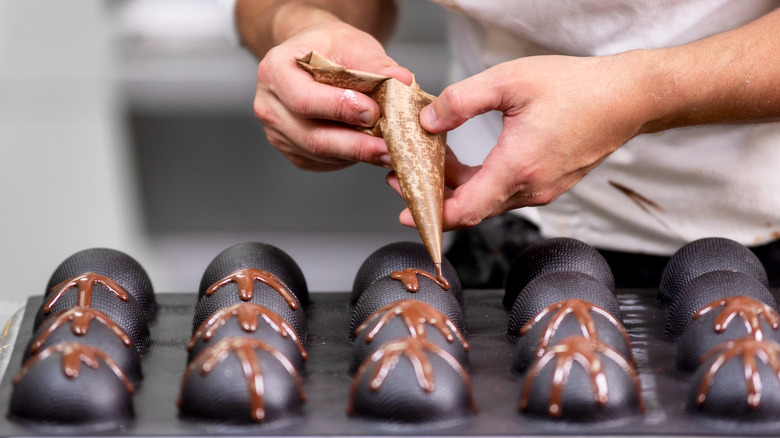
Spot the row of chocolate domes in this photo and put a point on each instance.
(246, 355)
(82, 363)
(410, 362)
(725, 321)
(572, 350)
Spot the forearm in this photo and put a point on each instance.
(732, 77)
(263, 24)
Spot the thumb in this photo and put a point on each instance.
(458, 103)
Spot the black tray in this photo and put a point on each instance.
(327, 382)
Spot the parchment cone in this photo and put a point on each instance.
(417, 155)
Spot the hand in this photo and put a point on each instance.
(562, 117)
(306, 120)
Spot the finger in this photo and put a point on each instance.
(310, 99)
(460, 102)
(455, 172)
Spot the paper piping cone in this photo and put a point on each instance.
(417, 155)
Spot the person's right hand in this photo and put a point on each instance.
(307, 121)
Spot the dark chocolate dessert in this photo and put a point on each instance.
(572, 317)
(556, 286)
(724, 320)
(580, 379)
(72, 384)
(399, 256)
(113, 264)
(241, 380)
(551, 255)
(738, 380)
(252, 320)
(403, 319)
(708, 288)
(411, 380)
(707, 255)
(260, 257)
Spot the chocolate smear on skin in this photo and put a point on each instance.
(247, 315)
(244, 349)
(415, 315)
(412, 284)
(750, 350)
(84, 284)
(73, 356)
(245, 281)
(585, 352)
(417, 156)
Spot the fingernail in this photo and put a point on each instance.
(365, 118)
(385, 159)
(428, 116)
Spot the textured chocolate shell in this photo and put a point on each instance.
(706, 255)
(262, 294)
(387, 290)
(260, 256)
(278, 334)
(396, 323)
(738, 381)
(722, 322)
(116, 265)
(555, 254)
(126, 313)
(556, 286)
(97, 397)
(393, 389)
(708, 287)
(102, 336)
(397, 257)
(222, 384)
(559, 324)
(582, 381)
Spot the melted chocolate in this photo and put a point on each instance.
(80, 318)
(415, 315)
(749, 349)
(244, 349)
(581, 310)
(84, 283)
(245, 280)
(247, 314)
(584, 351)
(413, 349)
(750, 310)
(409, 278)
(73, 355)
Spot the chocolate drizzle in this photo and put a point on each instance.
(581, 310)
(73, 355)
(85, 284)
(415, 315)
(247, 314)
(750, 310)
(585, 352)
(245, 281)
(80, 318)
(244, 349)
(414, 349)
(749, 349)
(409, 278)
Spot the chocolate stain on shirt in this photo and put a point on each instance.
(647, 205)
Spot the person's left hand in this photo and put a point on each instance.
(562, 117)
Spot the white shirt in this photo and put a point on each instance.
(700, 181)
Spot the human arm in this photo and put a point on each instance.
(564, 115)
(296, 112)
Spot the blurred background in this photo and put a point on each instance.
(129, 125)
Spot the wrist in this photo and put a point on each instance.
(291, 18)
